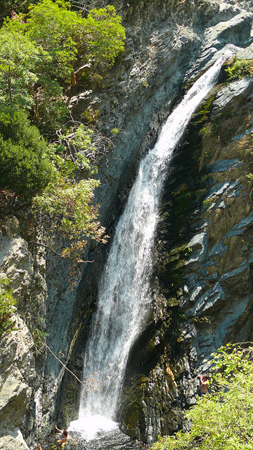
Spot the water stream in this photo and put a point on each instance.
(124, 292)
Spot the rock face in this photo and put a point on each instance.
(202, 279)
(17, 378)
(19, 375)
(203, 271)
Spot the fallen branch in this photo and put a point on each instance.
(90, 385)
(65, 367)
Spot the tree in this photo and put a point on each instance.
(70, 38)
(69, 201)
(24, 82)
(224, 418)
(41, 50)
(19, 58)
(101, 40)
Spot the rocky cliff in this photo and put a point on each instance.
(203, 270)
(203, 253)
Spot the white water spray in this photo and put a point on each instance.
(124, 292)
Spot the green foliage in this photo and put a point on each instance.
(224, 418)
(24, 82)
(69, 38)
(7, 303)
(71, 203)
(25, 168)
(41, 48)
(12, 7)
(105, 36)
(38, 338)
(72, 213)
(239, 68)
(50, 110)
(18, 60)
(68, 201)
(52, 26)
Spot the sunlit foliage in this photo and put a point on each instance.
(222, 419)
(42, 45)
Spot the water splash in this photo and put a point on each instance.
(124, 292)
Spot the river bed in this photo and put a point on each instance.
(105, 440)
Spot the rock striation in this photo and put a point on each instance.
(203, 269)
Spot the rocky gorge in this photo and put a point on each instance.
(202, 261)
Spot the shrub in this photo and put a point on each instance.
(25, 168)
(239, 68)
(222, 419)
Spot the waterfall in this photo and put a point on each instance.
(124, 293)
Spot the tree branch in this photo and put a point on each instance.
(65, 367)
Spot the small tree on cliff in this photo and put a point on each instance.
(65, 41)
(38, 56)
(224, 418)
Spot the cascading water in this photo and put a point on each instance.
(124, 292)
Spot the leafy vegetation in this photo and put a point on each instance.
(41, 50)
(239, 68)
(38, 338)
(224, 417)
(11, 7)
(7, 303)
(42, 47)
(25, 167)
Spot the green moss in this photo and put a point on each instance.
(203, 111)
(208, 202)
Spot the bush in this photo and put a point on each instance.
(25, 168)
(239, 68)
(224, 418)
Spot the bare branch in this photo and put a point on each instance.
(89, 385)
(65, 367)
